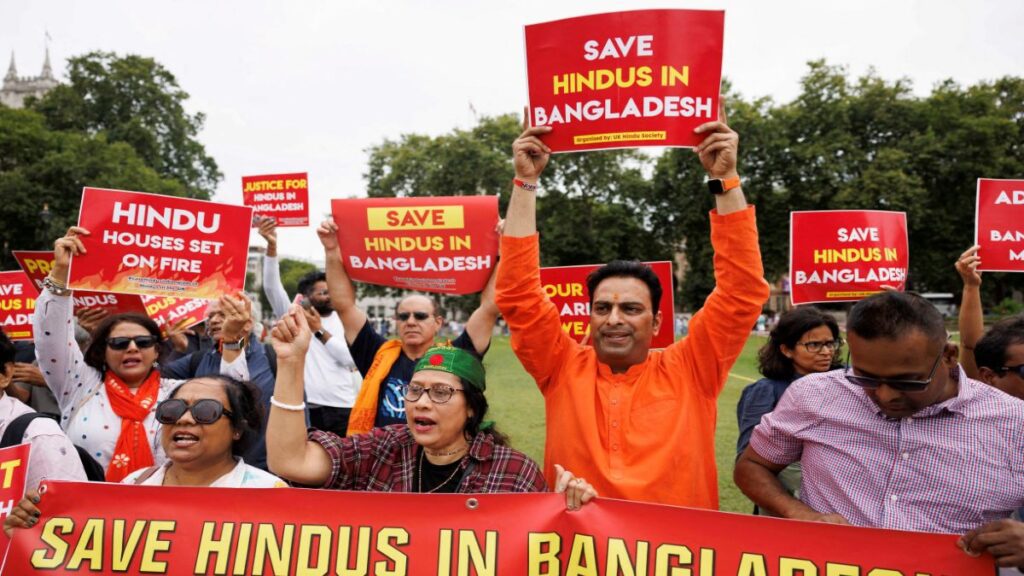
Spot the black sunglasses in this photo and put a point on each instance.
(404, 316)
(205, 411)
(896, 384)
(122, 342)
(1019, 369)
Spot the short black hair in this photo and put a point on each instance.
(245, 406)
(791, 327)
(627, 269)
(307, 282)
(890, 315)
(990, 351)
(96, 352)
(7, 350)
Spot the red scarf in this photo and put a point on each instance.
(132, 451)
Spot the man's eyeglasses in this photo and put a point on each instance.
(439, 393)
(205, 411)
(404, 316)
(896, 384)
(815, 346)
(122, 342)
(1019, 369)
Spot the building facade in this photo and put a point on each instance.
(17, 88)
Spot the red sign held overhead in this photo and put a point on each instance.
(161, 245)
(17, 304)
(284, 197)
(432, 244)
(625, 79)
(846, 255)
(566, 286)
(37, 265)
(999, 225)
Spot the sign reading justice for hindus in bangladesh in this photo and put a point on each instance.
(431, 244)
(999, 225)
(160, 245)
(625, 79)
(846, 255)
(566, 287)
(284, 197)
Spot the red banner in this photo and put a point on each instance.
(431, 244)
(566, 286)
(625, 79)
(17, 303)
(87, 528)
(13, 475)
(168, 311)
(37, 264)
(846, 255)
(161, 245)
(285, 197)
(999, 225)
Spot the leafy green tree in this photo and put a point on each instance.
(137, 101)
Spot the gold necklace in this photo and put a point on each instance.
(419, 475)
(449, 453)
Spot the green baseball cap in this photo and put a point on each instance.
(454, 361)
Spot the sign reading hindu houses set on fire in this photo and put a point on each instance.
(625, 79)
(999, 225)
(160, 245)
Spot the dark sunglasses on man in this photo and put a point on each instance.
(903, 385)
(122, 342)
(1019, 369)
(404, 316)
(205, 411)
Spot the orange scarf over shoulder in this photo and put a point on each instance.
(364, 413)
(132, 451)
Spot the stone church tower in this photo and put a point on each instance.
(16, 89)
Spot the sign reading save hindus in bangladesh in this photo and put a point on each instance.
(999, 225)
(845, 255)
(160, 245)
(431, 244)
(37, 265)
(566, 286)
(284, 197)
(625, 79)
(17, 304)
(87, 529)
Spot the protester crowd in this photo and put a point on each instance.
(906, 431)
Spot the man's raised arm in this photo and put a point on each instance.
(342, 291)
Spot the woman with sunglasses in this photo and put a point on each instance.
(445, 446)
(108, 395)
(804, 341)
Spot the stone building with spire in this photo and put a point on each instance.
(16, 89)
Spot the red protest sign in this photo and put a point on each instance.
(37, 265)
(161, 245)
(17, 303)
(169, 312)
(625, 79)
(999, 225)
(13, 476)
(85, 528)
(845, 255)
(566, 287)
(432, 244)
(285, 197)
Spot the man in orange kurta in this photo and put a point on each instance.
(639, 424)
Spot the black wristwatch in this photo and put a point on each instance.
(719, 186)
(320, 335)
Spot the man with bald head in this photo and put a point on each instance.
(387, 365)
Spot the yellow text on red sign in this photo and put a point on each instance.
(415, 218)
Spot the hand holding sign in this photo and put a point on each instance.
(90, 318)
(529, 154)
(718, 151)
(63, 249)
(967, 266)
(328, 234)
(24, 515)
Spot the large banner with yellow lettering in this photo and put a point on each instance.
(161, 245)
(17, 304)
(431, 244)
(566, 286)
(89, 529)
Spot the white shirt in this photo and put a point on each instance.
(331, 377)
(241, 476)
(52, 456)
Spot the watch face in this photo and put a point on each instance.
(715, 186)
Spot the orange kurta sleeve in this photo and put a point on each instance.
(537, 336)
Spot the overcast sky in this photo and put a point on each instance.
(309, 85)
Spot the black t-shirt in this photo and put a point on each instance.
(439, 479)
(390, 403)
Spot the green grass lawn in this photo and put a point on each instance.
(518, 409)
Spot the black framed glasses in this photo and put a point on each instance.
(404, 316)
(1019, 369)
(900, 384)
(205, 411)
(122, 342)
(815, 346)
(439, 393)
